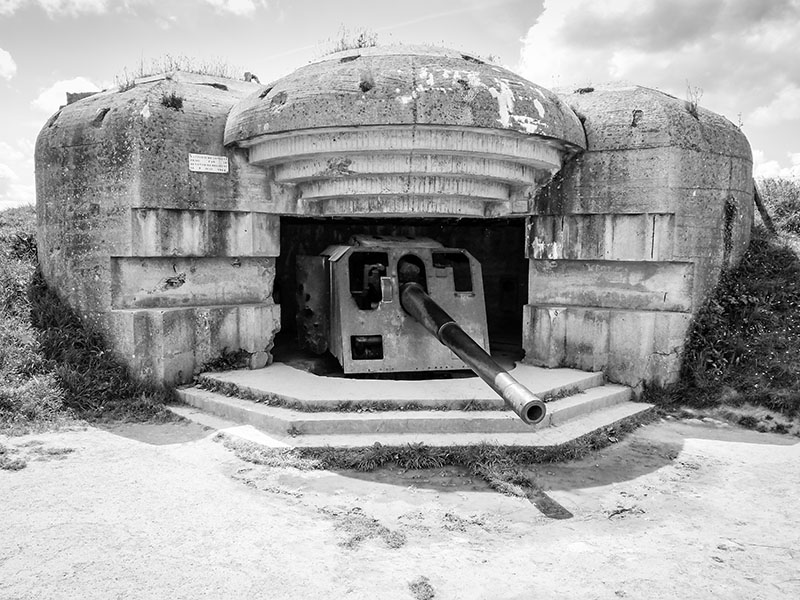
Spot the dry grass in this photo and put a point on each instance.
(782, 200)
(355, 527)
(169, 63)
(349, 39)
(269, 457)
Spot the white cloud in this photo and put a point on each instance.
(16, 195)
(57, 7)
(9, 152)
(74, 7)
(166, 23)
(8, 68)
(740, 55)
(720, 46)
(237, 7)
(7, 173)
(18, 153)
(766, 169)
(13, 192)
(16, 173)
(784, 106)
(55, 96)
(9, 6)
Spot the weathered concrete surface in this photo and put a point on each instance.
(632, 235)
(644, 285)
(170, 344)
(403, 85)
(172, 265)
(627, 345)
(396, 170)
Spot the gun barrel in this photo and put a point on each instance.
(417, 303)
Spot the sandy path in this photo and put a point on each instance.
(675, 511)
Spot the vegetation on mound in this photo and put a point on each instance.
(169, 63)
(52, 368)
(743, 347)
(349, 39)
(782, 199)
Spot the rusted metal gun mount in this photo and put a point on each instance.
(371, 304)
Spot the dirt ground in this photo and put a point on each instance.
(676, 510)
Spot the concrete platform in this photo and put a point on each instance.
(306, 391)
(296, 408)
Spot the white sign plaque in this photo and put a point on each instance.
(208, 163)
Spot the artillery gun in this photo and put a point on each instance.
(383, 305)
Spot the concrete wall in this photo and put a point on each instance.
(173, 266)
(627, 242)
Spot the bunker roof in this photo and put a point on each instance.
(403, 85)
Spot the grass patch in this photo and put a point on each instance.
(356, 527)
(747, 416)
(500, 466)
(228, 360)
(172, 101)
(782, 200)
(53, 369)
(268, 457)
(15, 458)
(560, 394)
(421, 589)
(9, 461)
(55, 451)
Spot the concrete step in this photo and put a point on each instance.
(302, 390)
(538, 438)
(282, 421)
(293, 407)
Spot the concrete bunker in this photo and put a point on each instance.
(602, 218)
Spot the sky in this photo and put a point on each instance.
(741, 58)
